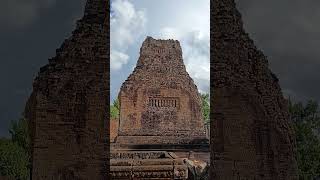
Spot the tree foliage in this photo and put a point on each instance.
(115, 109)
(206, 107)
(15, 152)
(306, 122)
(20, 133)
(14, 160)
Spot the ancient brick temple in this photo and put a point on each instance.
(68, 107)
(159, 102)
(251, 134)
(251, 137)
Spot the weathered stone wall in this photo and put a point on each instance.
(114, 126)
(159, 165)
(251, 136)
(159, 102)
(68, 110)
(69, 118)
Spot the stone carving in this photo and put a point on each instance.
(147, 165)
(68, 106)
(163, 102)
(251, 136)
(159, 102)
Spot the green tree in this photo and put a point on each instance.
(15, 152)
(115, 109)
(14, 160)
(20, 133)
(306, 125)
(206, 107)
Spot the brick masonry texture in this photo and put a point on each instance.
(159, 165)
(114, 127)
(68, 109)
(159, 102)
(252, 137)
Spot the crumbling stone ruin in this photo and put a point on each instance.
(68, 109)
(159, 102)
(160, 108)
(251, 134)
(251, 137)
(147, 165)
(114, 126)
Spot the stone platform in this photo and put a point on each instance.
(162, 147)
(159, 161)
(161, 139)
(153, 165)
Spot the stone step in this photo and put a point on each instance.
(163, 147)
(162, 167)
(145, 162)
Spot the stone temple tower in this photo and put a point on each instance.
(159, 102)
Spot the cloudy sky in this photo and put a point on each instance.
(287, 31)
(133, 21)
(30, 32)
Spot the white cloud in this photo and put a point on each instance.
(118, 59)
(189, 23)
(169, 33)
(127, 25)
(196, 53)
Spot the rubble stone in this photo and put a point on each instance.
(159, 165)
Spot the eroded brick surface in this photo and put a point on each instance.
(159, 102)
(158, 165)
(251, 134)
(114, 125)
(68, 106)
